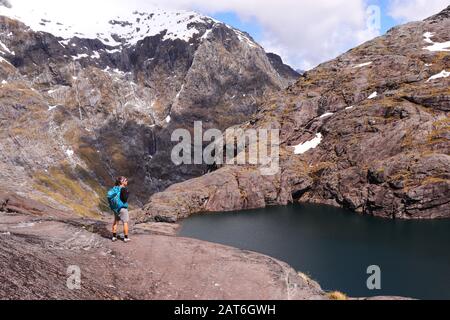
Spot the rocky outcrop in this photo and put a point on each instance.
(283, 69)
(15, 204)
(381, 113)
(77, 111)
(37, 250)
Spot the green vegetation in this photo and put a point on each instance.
(75, 189)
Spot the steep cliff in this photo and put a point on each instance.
(79, 106)
(368, 131)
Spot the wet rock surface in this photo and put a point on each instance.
(382, 112)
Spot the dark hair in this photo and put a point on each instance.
(120, 180)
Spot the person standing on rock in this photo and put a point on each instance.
(118, 202)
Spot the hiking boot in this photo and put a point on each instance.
(126, 240)
(114, 239)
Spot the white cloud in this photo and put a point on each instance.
(304, 32)
(413, 10)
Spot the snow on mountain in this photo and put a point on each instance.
(308, 145)
(435, 46)
(442, 74)
(119, 30)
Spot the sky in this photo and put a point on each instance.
(304, 33)
(308, 32)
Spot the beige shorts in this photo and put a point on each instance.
(122, 216)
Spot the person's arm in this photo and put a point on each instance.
(124, 194)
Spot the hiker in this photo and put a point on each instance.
(118, 202)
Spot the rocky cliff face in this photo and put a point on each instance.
(81, 106)
(379, 117)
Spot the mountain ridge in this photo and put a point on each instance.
(93, 111)
(381, 110)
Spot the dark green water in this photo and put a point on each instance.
(335, 247)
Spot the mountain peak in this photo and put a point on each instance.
(444, 14)
(113, 29)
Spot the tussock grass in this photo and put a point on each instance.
(336, 295)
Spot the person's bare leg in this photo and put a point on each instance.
(125, 229)
(114, 227)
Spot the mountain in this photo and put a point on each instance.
(83, 102)
(283, 69)
(368, 131)
(76, 110)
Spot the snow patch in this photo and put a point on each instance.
(64, 43)
(4, 48)
(113, 50)
(206, 35)
(326, 115)
(362, 65)
(349, 108)
(50, 108)
(244, 38)
(308, 145)
(179, 92)
(118, 71)
(442, 74)
(4, 82)
(428, 36)
(79, 56)
(435, 46)
(373, 95)
(168, 119)
(70, 153)
(96, 55)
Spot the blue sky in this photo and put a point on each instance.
(387, 21)
(251, 26)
